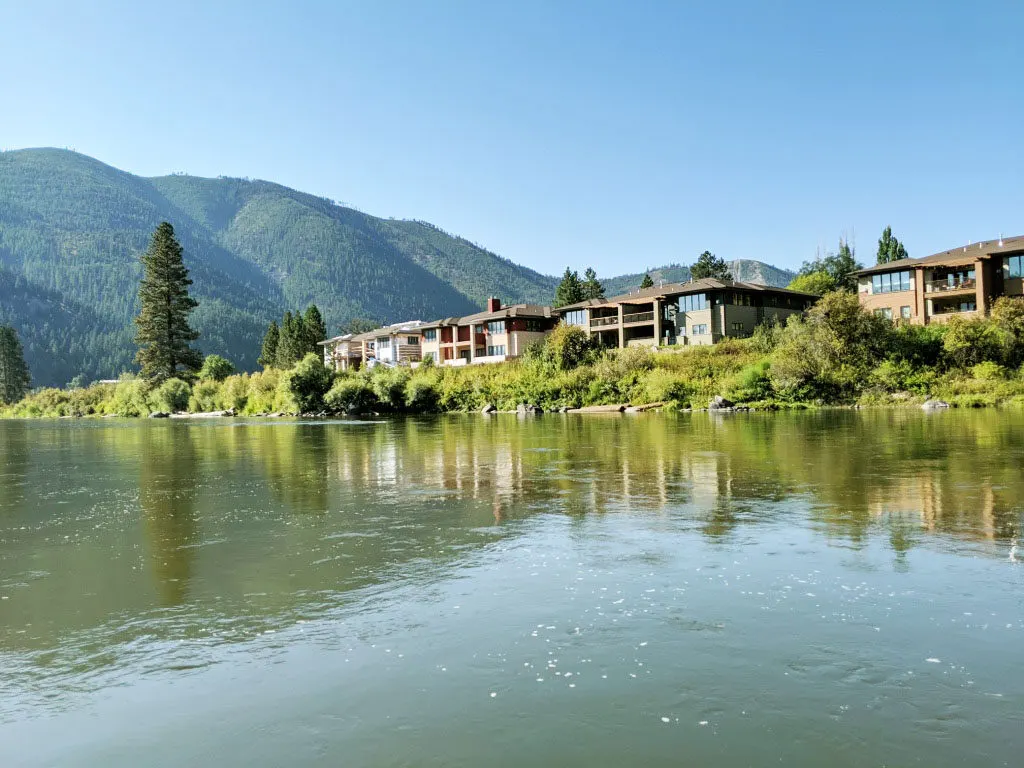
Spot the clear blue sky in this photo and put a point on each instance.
(619, 135)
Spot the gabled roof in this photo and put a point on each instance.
(955, 257)
(680, 289)
(515, 310)
(335, 339)
(392, 330)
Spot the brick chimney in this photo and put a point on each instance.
(493, 304)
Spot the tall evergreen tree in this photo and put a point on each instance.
(14, 374)
(314, 329)
(889, 248)
(570, 290)
(163, 333)
(710, 266)
(292, 340)
(647, 282)
(592, 287)
(268, 353)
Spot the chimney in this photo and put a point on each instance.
(493, 304)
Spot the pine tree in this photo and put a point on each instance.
(163, 332)
(268, 353)
(314, 329)
(647, 282)
(889, 248)
(592, 288)
(292, 340)
(570, 290)
(710, 266)
(14, 374)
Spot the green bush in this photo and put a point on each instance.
(306, 384)
(388, 385)
(988, 371)
(205, 396)
(263, 390)
(131, 398)
(350, 393)
(234, 393)
(969, 342)
(753, 383)
(216, 368)
(567, 346)
(421, 393)
(172, 396)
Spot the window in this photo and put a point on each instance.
(741, 299)
(576, 317)
(1013, 266)
(693, 302)
(535, 325)
(414, 340)
(905, 313)
(430, 335)
(700, 329)
(498, 349)
(496, 326)
(885, 312)
(737, 326)
(890, 282)
(384, 343)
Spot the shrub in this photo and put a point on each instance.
(262, 391)
(388, 385)
(171, 396)
(130, 398)
(988, 371)
(307, 383)
(205, 396)
(1008, 319)
(567, 346)
(969, 342)
(752, 383)
(350, 393)
(216, 368)
(234, 393)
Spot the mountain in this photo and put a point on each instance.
(72, 230)
(744, 270)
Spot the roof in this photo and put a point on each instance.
(954, 257)
(515, 310)
(391, 330)
(335, 339)
(677, 289)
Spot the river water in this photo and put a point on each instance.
(801, 589)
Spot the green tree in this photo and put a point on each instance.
(268, 353)
(647, 282)
(889, 248)
(839, 266)
(163, 333)
(14, 374)
(290, 343)
(968, 342)
(314, 329)
(592, 287)
(307, 383)
(570, 290)
(709, 265)
(818, 283)
(216, 368)
(1008, 318)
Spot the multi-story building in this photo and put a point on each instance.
(492, 336)
(695, 313)
(960, 282)
(391, 345)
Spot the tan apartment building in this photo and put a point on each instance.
(492, 336)
(695, 313)
(396, 344)
(961, 282)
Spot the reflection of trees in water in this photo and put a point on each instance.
(295, 462)
(168, 486)
(14, 462)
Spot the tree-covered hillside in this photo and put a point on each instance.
(744, 270)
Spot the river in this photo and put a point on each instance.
(835, 587)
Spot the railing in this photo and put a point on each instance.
(939, 286)
(601, 322)
(638, 317)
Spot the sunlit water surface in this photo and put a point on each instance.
(806, 589)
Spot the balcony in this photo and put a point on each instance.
(602, 322)
(638, 317)
(950, 286)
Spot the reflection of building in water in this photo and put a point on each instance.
(941, 505)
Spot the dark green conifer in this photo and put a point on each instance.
(268, 353)
(14, 374)
(163, 333)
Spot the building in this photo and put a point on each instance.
(395, 344)
(695, 313)
(492, 336)
(962, 282)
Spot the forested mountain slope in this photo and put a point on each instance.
(744, 270)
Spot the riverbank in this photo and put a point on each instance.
(837, 355)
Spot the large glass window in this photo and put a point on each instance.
(384, 342)
(576, 317)
(890, 282)
(534, 325)
(414, 340)
(497, 349)
(1013, 266)
(700, 329)
(693, 302)
(430, 335)
(905, 313)
(496, 326)
(885, 312)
